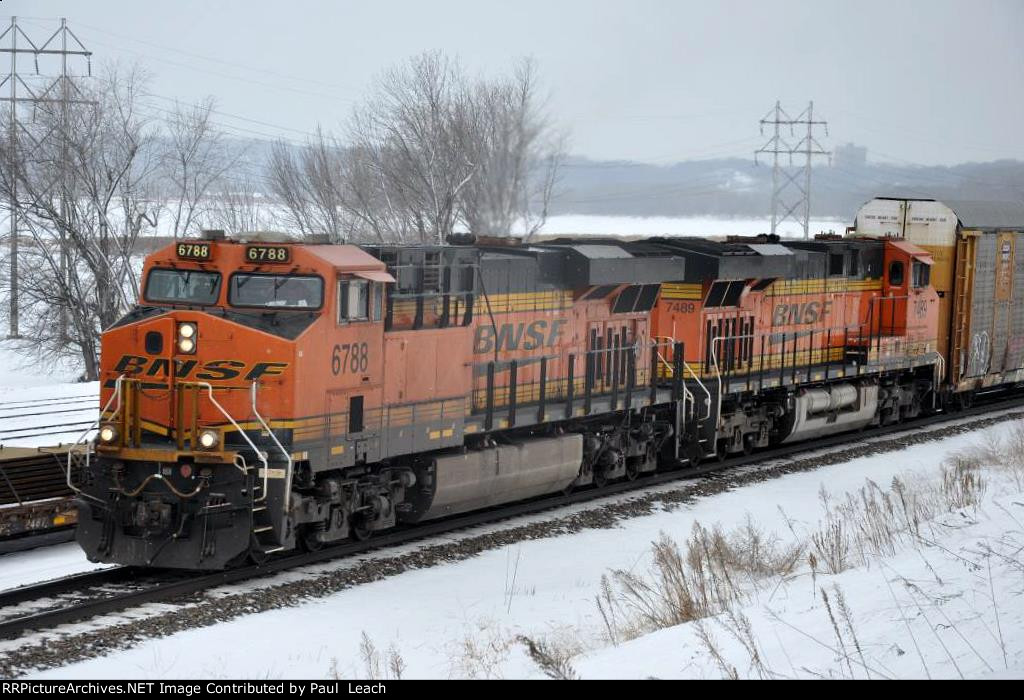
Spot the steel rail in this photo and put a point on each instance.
(194, 583)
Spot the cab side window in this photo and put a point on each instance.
(377, 302)
(896, 273)
(353, 301)
(922, 275)
(360, 300)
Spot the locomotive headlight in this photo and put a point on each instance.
(187, 333)
(208, 439)
(108, 434)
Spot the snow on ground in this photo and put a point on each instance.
(461, 620)
(22, 371)
(42, 406)
(43, 564)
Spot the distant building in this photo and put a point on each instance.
(850, 156)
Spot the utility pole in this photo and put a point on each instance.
(791, 197)
(41, 90)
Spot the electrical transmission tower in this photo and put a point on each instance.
(791, 197)
(26, 92)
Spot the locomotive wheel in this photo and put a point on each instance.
(721, 450)
(632, 469)
(600, 477)
(694, 453)
(309, 540)
(748, 445)
(965, 400)
(359, 529)
(256, 554)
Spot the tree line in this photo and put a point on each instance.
(431, 151)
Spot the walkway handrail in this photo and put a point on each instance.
(671, 342)
(287, 456)
(259, 453)
(84, 438)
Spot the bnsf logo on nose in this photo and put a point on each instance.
(517, 336)
(217, 370)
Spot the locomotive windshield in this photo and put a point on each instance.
(276, 291)
(183, 286)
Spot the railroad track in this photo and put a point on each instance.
(34, 431)
(57, 400)
(47, 605)
(74, 413)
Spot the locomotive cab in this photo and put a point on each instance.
(904, 318)
(202, 395)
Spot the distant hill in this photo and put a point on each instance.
(736, 187)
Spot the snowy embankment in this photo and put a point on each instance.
(846, 572)
(42, 406)
(44, 564)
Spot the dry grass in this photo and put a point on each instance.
(715, 570)
(1004, 454)
(873, 522)
(704, 581)
(962, 485)
(481, 655)
(388, 666)
(551, 658)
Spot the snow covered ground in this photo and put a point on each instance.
(944, 603)
(43, 564)
(42, 406)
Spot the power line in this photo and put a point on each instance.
(239, 78)
(36, 89)
(785, 179)
(211, 59)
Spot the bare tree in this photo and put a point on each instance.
(236, 205)
(429, 152)
(409, 167)
(194, 160)
(83, 182)
(308, 181)
(516, 152)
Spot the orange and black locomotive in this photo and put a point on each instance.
(265, 396)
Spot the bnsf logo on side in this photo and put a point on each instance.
(217, 370)
(801, 314)
(517, 336)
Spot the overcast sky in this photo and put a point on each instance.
(917, 81)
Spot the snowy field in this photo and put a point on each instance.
(42, 406)
(43, 564)
(945, 602)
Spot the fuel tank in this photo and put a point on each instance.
(503, 474)
(837, 409)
